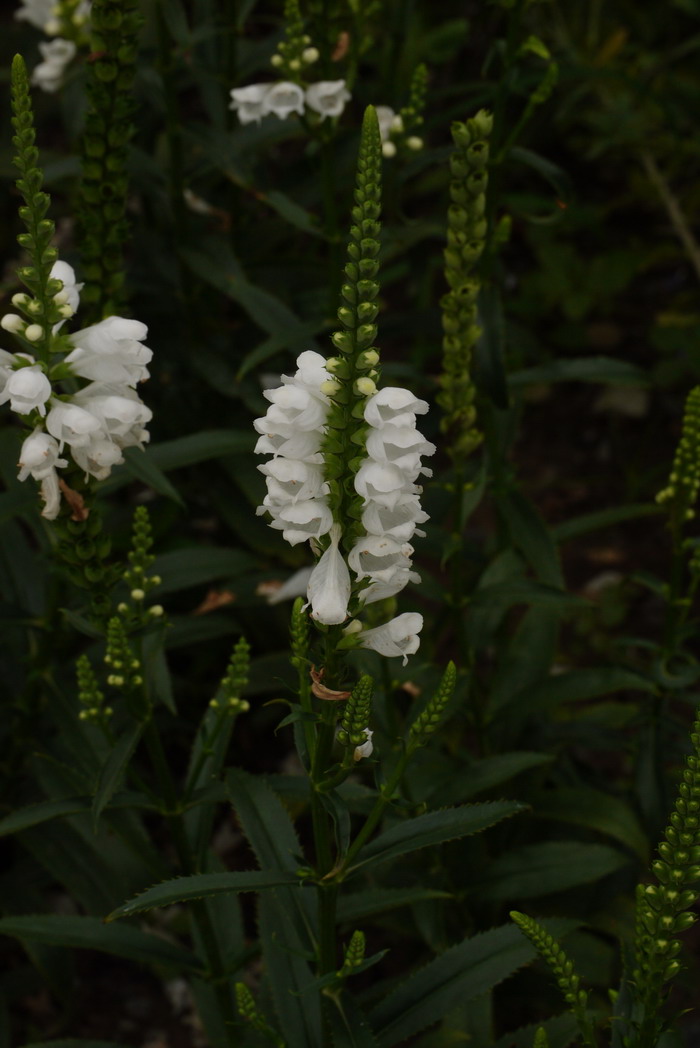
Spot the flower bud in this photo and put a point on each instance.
(414, 142)
(276, 61)
(12, 322)
(368, 359)
(34, 332)
(330, 387)
(310, 55)
(365, 386)
(388, 150)
(137, 594)
(156, 610)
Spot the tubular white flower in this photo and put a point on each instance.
(282, 99)
(71, 291)
(97, 457)
(111, 352)
(120, 411)
(301, 446)
(401, 446)
(293, 409)
(399, 637)
(39, 455)
(57, 54)
(71, 424)
(51, 495)
(365, 748)
(379, 557)
(36, 12)
(292, 481)
(383, 483)
(327, 97)
(329, 586)
(248, 102)
(399, 522)
(383, 590)
(27, 389)
(393, 406)
(385, 119)
(302, 520)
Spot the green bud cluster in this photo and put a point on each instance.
(108, 130)
(82, 549)
(295, 51)
(248, 1010)
(662, 907)
(466, 238)
(140, 557)
(354, 369)
(354, 954)
(299, 634)
(41, 309)
(427, 722)
(563, 970)
(125, 671)
(235, 680)
(356, 712)
(412, 114)
(683, 487)
(541, 1040)
(89, 694)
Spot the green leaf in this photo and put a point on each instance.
(596, 810)
(489, 353)
(350, 1027)
(288, 973)
(524, 591)
(156, 671)
(577, 685)
(562, 1030)
(489, 772)
(552, 173)
(464, 972)
(292, 212)
(181, 568)
(356, 906)
(530, 535)
(91, 933)
(526, 660)
(113, 770)
(434, 828)
(201, 886)
(549, 866)
(201, 447)
(608, 370)
(267, 349)
(141, 466)
(588, 522)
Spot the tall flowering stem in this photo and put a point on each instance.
(466, 235)
(108, 131)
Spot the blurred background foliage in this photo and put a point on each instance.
(591, 342)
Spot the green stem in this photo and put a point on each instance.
(383, 800)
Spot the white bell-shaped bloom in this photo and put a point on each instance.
(300, 521)
(311, 373)
(27, 389)
(292, 410)
(382, 483)
(388, 121)
(393, 406)
(119, 409)
(36, 12)
(292, 481)
(249, 101)
(39, 455)
(397, 637)
(282, 99)
(329, 585)
(301, 446)
(6, 369)
(400, 578)
(400, 445)
(72, 424)
(111, 352)
(98, 457)
(71, 291)
(327, 97)
(57, 54)
(365, 748)
(50, 494)
(379, 557)
(399, 522)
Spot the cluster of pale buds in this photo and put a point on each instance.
(292, 431)
(59, 52)
(391, 128)
(97, 422)
(281, 99)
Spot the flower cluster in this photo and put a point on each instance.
(98, 421)
(281, 99)
(65, 21)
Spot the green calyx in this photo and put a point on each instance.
(354, 368)
(108, 129)
(41, 310)
(466, 238)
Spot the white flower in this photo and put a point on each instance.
(293, 409)
(327, 97)
(51, 495)
(302, 520)
(301, 446)
(388, 121)
(400, 578)
(282, 99)
(71, 424)
(382, 483)
(295, 586)
(292, 481)
(393, 406)
(365, 748)
(70, 293)
(119, 410)
(48, 75)
(36, 12)
(111, 351)
(399, 522)
(249, 102)
(397, 637)
(26, 389)
(97, 457)
(38, 456)
(400, 445)
(6, 370)
(329, 585)
(379, 557)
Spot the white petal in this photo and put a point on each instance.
(393, 406)
(397, 637)
(329, 585)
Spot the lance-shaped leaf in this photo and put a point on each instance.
(114, 769)
(434, 828)
(201, 886)
(90, 933)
